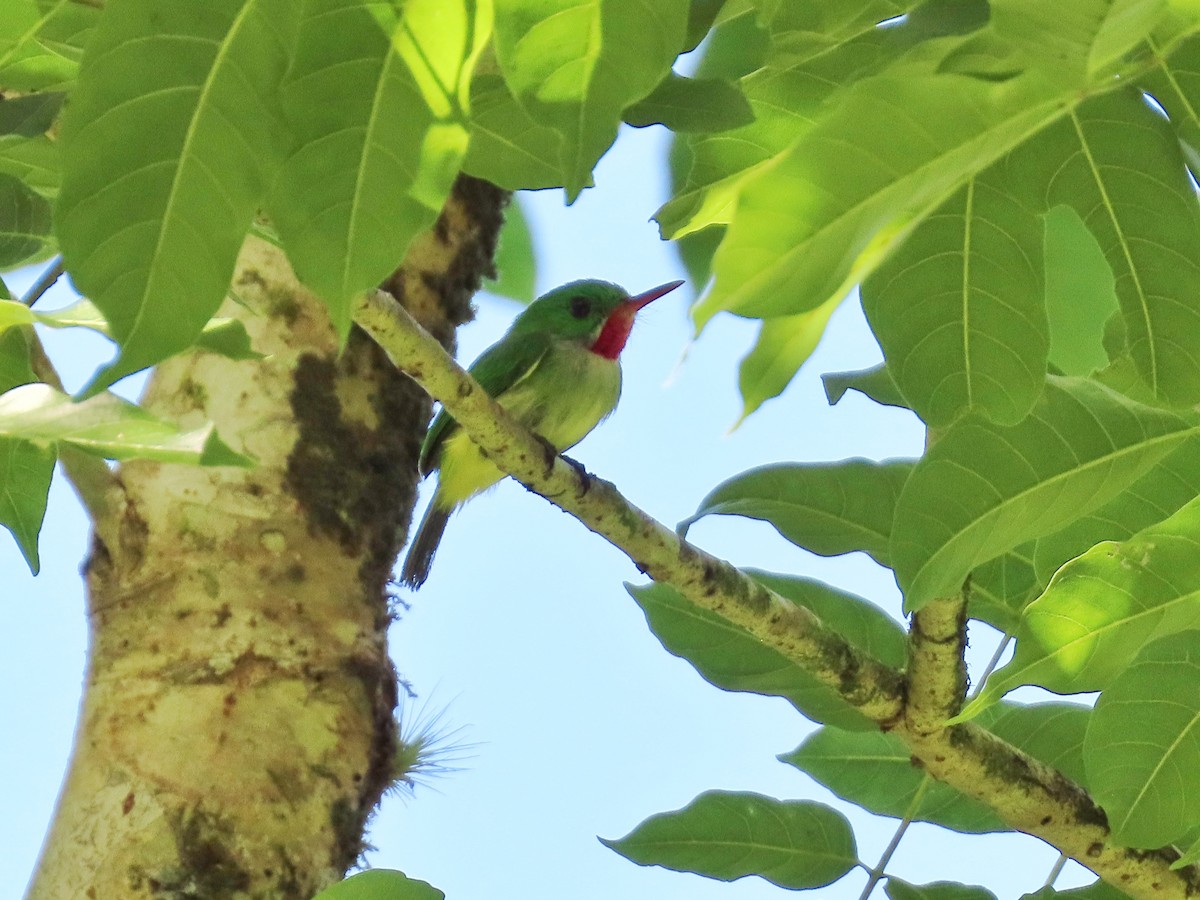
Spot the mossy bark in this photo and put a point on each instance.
(237, 722)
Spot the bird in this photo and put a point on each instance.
(556, 370)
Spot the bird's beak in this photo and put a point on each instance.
(653, 294)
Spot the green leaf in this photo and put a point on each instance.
(1000, 589)
(983, 489)
(874, 770)
(1097, 890)
(380, 884)
(1114, 160)
(691, 104)
(784, 344)
(25, 474)
(876, 383)
(15, 366)
(1102, 608)
(1143, 744)
(733, 660)
(1155, 496)
(786, 94)
(508, 147)
(939, 890)
(1079, 40)
(151, 228)
(958, 308)
(33, 161)
(379, 117)
(824, 214)
(794, 844)
(826, 508)
(696, 252)
(41, 42)
(13, 313)
(516, 264)
(24, 223)
(227, 337)
(29, 115)
(701, 15)
(577, 68)
(1080, 295)
(107, 426)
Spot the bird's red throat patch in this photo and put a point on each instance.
(615, 332)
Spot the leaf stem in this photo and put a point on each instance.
(877, 873)
(45, 281)
(1056, 870)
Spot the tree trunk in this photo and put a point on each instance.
(236, 728)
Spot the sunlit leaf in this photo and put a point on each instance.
(1102, 608)
(794, 844)
(827, 508)
(41, 42)
(733, 660)
(107, 426)
(784, 344)
(823, 215)
(577, 68)
(1153, 497)
(507, 146)
(228, 337)
(380, 128)
(1076, 40)
(1143, 744)
(958, 308)
(983, 489)
(151, 227)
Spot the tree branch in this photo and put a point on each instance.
(1029, 795)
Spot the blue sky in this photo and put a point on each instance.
(582, 725)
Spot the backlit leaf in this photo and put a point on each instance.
(784, 344)
(379, 117)
(151, 227)
(983, 489)
(1143, 744)
(1102, 608)
(107, 426)
(577, 68)
(958, 308)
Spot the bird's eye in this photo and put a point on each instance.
(581, 307)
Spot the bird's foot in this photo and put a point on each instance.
(550, 453)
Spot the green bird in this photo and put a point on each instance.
(556, 372)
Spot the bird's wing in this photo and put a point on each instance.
(498, 368)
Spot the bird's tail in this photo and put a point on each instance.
(424, 546)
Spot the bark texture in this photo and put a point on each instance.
(237, 723)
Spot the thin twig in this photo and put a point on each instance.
(44, 283)
(1056, 870)
(1026, 793)
(877, 873)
